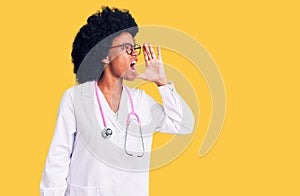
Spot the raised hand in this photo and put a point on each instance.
(154, 71)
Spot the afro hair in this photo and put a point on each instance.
(109, 23)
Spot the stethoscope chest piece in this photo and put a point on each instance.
(106, 133)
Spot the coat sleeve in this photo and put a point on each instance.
(54, 177)
(174, 116)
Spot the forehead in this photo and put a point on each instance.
(123, 38)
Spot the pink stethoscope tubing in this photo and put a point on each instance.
(128, 119)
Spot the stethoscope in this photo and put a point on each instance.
(107, 132)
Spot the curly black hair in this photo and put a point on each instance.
(109, 23)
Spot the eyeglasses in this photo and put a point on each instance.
(129, 48)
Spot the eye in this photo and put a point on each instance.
(128, 46)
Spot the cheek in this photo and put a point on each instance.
(120, 64)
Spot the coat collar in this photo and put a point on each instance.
(88, 91)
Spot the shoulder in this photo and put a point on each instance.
(82, 88)
(67, 98)
(138, 94)
(69, 92)
(140, 98)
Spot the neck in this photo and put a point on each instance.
(109, 85)
(111, 88)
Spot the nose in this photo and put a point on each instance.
(134, 52)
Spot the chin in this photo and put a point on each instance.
(129, 77)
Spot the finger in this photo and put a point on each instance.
(159, 53)
(147, 51)
(152, 52)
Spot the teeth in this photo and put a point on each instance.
(133, 62)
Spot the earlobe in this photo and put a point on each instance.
(105, 60)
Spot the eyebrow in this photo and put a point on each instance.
(129, 43)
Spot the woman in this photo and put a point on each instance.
(103, 136)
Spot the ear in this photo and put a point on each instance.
(105, 60)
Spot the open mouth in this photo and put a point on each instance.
(132, 65)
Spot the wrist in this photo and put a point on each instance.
(162, 82)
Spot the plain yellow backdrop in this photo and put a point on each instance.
(256, 46)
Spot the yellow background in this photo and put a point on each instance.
(256, 46)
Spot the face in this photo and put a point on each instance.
(120, 63)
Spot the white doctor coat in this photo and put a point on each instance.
(81, 162)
